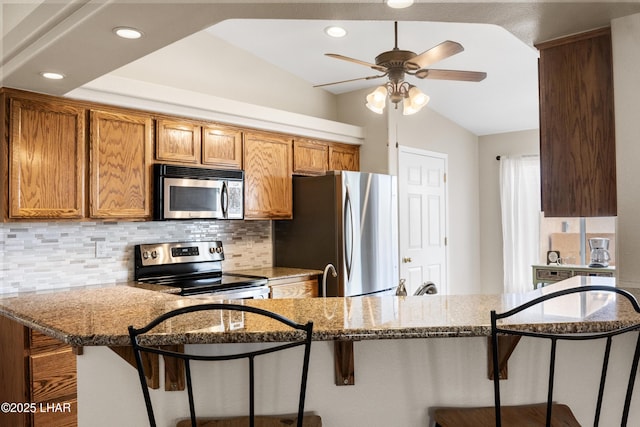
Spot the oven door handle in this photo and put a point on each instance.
(224, 199)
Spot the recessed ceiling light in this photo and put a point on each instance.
(399, 4)
(52, 75)
(127, 32)
(335, 31)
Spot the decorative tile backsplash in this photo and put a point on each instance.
(52, 255)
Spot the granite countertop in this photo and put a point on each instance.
(274, 273)
(100, 316)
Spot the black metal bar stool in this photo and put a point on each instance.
(549, 413)
(200, 315)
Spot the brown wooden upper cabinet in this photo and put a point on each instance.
(577, 138)
(310, 157)
(120, 151)
(222, 146)
(268, 170)
(313, 157)
(198, 143)
(47, 148)
(178, 141)
(343, 157)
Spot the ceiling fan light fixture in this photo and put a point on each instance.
(417, 97)
(375, 108)
(399, 4)
(376, 100)
(408, 108)
(335, 31)
(378, 95)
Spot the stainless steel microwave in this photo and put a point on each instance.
(182, 192)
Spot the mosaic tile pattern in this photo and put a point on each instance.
(53, 255)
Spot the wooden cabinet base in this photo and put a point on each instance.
(56, 414)
(38, 371)
(295, 287)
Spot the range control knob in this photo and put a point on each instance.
(154, 254)
(145, 255)
(219, 249)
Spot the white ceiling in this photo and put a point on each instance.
(75, 37)
(507, 100)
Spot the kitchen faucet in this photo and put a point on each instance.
(427, 288)
(334, 273)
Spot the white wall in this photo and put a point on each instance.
(626, 60)
(490, 146)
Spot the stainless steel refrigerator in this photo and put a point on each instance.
(350, 220)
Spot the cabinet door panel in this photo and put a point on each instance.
(178, 141)
(310, 157)
(53, 375)
(304, 289)
(344, 157)
(268, 170)
(47, 158)
(41, 343)
(577, 137)
(120, 165)
(222, 147)
(58, 416)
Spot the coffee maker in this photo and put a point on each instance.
(599, 252)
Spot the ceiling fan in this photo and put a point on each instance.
(397, 63)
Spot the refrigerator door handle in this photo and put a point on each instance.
(348, 232)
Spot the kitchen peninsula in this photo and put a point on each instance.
(397, 378)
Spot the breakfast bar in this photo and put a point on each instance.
(400, 369)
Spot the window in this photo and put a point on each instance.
(570, 236)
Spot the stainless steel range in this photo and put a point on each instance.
(196, 269)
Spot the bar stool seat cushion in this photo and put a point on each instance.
(261, 421)
(512, 416)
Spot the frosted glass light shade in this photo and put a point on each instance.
(399, 4)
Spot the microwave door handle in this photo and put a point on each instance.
(224, 199)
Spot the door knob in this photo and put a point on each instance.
(406, 259)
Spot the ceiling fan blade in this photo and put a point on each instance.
(357, 61)
(466, 76)
(351, 80)
(437, 53)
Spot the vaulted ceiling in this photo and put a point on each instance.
(76, 38)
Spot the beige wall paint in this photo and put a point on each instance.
(373, 152)
(490, 146)
(234, 74)
(626, 60)
(430, 131)
(426, 130)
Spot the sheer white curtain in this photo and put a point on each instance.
(520, 206)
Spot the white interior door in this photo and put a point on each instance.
(422, 218)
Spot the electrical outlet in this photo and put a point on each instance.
(101, 249)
